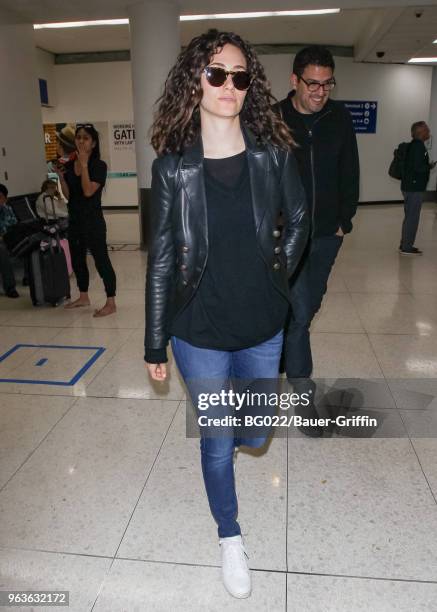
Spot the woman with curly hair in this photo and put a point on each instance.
(218, 269)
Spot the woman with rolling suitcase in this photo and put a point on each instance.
(82, 182)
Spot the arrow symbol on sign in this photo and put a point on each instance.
(373, 105)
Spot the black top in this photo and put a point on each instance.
(236, 305)
(79, 206)
(228, 172)
(416, 171)
(327, 157)
(310, 118)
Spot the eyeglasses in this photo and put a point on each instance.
(315, 85)
(84, 125)
(217, 76)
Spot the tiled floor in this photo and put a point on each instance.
(101, 492)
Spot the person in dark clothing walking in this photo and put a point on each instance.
(217, 276)
(7, 219)
(327, 158)
(82, 181)
(414, 180)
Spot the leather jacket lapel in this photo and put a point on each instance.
(259, 163)
(194, 187)
(194, 184)
(258, 172)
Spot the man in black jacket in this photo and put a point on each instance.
(415, 178)
(327, 157)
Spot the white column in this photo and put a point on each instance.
(155, 44)
(22, 157)
(433, 126)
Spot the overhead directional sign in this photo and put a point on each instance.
(363, 115)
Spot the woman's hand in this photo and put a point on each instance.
(157, 371)
(82, 155)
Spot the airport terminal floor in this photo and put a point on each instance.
(101, 493)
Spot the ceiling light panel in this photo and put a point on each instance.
(422, 60)
(258, 14)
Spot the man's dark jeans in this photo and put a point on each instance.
(307, 287)
(412, 207)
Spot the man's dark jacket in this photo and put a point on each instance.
(415, 176)
(328, 163)
(178, 249)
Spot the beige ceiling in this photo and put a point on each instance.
(342, 29)
(337, 29)
(411, 36)
(72, 10)
(388, 26)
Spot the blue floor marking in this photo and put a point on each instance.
(41, 362)
(99, 351)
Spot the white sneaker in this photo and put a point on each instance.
(235, 572)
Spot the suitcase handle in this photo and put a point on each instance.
(55, 234)
(45, 197)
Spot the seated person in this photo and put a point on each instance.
(50, 188)
(7, 218)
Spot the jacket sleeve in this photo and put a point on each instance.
(349, 173)
(11, 219)
(295, 212)
(160, 265)
(420, 162)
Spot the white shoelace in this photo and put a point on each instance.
(235, 555)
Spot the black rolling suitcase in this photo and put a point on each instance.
(49, 282)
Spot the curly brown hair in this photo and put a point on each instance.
(177, 120)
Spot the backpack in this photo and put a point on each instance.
(396, 169)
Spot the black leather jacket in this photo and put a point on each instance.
(178, 249)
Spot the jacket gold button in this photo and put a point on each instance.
(185, 283)
(276, 266)
(276, 233)
(185, 249)
(277, 250)
(183, 267)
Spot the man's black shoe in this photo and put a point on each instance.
(12, 293)
(411, 251)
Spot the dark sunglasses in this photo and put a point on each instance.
(217, 77)
(84, 125)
